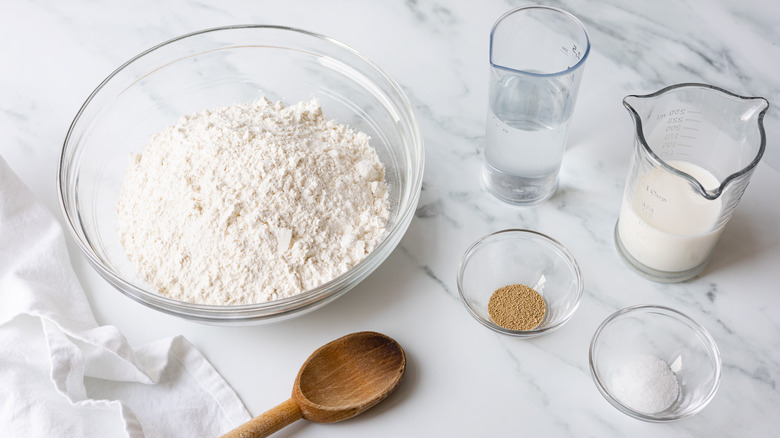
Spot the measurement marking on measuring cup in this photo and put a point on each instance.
(693, 120)
(687, 136)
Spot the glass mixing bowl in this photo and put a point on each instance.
(214, 68)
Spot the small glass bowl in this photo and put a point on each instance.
(520, 257)
(684, 345)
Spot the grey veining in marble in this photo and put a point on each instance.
(463, 380)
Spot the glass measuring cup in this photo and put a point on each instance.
(537, 56)
(695, 150)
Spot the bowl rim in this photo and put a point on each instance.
(283, 307)
(535, 235)
(698, 329)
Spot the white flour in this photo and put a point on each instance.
(251, 203)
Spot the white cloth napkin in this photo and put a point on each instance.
(63, 375)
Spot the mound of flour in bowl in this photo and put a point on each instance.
(251, 203)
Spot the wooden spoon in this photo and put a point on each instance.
(338, 381)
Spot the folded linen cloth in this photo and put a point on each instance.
(63, 375)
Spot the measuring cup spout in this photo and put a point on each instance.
(709, 127)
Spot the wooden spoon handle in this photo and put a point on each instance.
(269, 422)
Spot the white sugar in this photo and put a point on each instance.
(646, 384)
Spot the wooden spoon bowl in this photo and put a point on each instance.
(339, 380)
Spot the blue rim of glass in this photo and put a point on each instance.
(579, 63)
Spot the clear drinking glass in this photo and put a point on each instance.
(537, 55)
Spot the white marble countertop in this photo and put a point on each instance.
(462, 379)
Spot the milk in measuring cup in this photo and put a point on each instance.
(668, 226)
